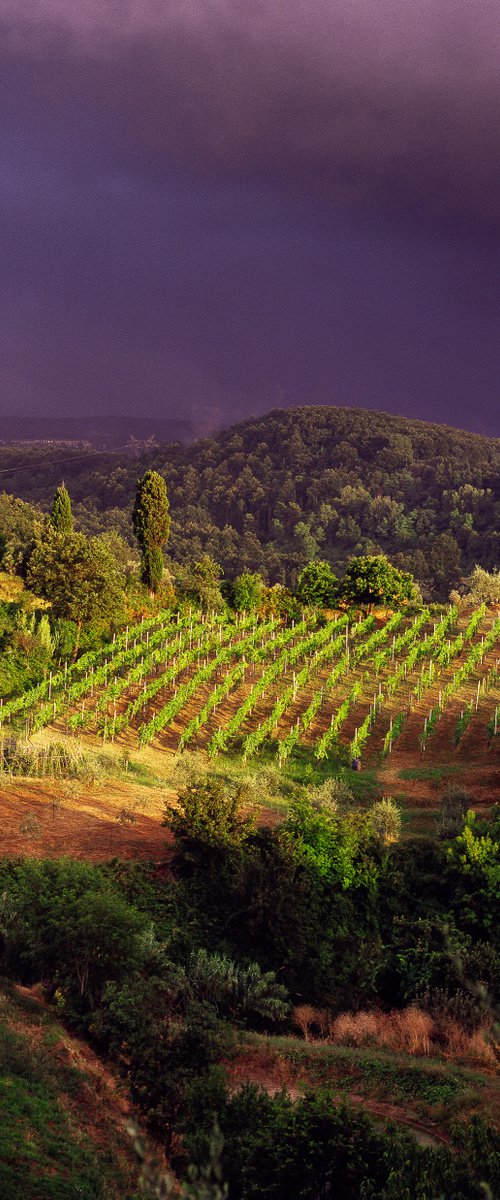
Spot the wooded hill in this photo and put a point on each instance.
(271, 493)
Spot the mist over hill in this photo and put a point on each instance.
(272, 492)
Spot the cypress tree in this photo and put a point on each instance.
(61, 516)
(151, 522)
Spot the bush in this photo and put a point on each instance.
(385, 821)
(274, 1149)
(234, 990)
(454, 806)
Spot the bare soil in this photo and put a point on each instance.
(46, 818)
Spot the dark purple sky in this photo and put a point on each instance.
(214, 207)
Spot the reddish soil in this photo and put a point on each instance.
(42, 818)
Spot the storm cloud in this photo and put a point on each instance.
(393, 104)
(223, 202)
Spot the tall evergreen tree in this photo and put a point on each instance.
(61, 516)
(151, 522)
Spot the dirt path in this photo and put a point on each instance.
(425, 1132)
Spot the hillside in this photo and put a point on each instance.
(64, 1112)
(271, 493)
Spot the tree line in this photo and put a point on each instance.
(312, 483)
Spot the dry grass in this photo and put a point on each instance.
(410, 1030)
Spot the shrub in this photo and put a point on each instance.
(385, 821)
(311, 1020)
(236, 990)
(453, 809)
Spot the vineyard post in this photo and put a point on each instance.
(477, 694)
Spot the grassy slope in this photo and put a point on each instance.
(62, 1134)
(429, 1095)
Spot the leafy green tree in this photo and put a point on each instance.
(317, 584)
(78, 576)
(373, 580)
(475, 856)
(63, 923)
(279, 601)
(445, 559)
(151, 521)
(61, 516)
(207, 813)
(247, 591)
(483, 587)
(19, 525)
(199, 583)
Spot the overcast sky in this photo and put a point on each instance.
(217, 207)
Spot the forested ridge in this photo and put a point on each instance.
(273, 492)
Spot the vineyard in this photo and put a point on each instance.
(335, 689)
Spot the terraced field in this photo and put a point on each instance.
(400, 689)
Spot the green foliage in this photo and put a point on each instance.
(385, 821)
(199, 583)
(453, 808)
(247, 592)
(280, 1150)
(317, 585)
(20, 523)
(77, 575)
(483, 587)
(62, 922)
(61, 516)
(311, 482)
(332, 794)
(475, 855)
(207, 812)
(335, 844)
(151, 522)
(236, 990)
(373, 580)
